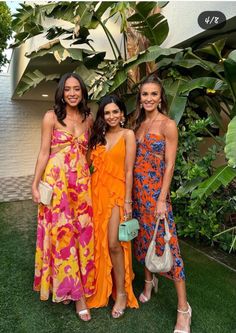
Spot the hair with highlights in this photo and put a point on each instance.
(139, 114)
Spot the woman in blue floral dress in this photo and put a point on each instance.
(157, 140)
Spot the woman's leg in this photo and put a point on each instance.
(183, 319)
(150, 283)
(117, 258)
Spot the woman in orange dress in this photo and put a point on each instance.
(64, 263)
(157, 140)
(112, 155)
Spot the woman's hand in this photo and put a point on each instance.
(161, 209)
(35, 194)
(127, 211)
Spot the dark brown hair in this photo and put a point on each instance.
(100, 126)
(60, 105)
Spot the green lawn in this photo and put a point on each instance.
(211, 290)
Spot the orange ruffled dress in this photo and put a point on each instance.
(108, 190)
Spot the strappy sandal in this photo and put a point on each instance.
(66, 301)
(189, 312)
(143, 298)
(118, 313)
(83, 314)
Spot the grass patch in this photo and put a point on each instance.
(211, 290)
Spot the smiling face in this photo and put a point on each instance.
(150, 96)
(113, 115)
(72, 92)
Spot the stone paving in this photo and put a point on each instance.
(15, 188)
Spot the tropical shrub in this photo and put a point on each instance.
(5, 30)
(199, 218)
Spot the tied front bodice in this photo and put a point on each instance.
(62, 138)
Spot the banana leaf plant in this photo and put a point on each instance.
(66, 26)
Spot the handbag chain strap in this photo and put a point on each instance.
(167, 236)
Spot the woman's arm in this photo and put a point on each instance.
(46, 133)
(171, 137)
(130, 153)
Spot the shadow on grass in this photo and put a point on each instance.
(211, 290)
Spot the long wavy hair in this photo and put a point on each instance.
(139, 114)
(60, 105)
(100, 127)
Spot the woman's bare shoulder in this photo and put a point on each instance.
(170, 123)
(49, 118)
(128, 132)
(170, 128)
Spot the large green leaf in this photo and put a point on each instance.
(154, 27)
(25, 14)
(213, 49)
(120, 9)
(151, 54)
(88, 75)
(32, 79)
(223, 176)
(215, 108)
(230, 147)
(98, 13)
(190, 63)
(203, 82)
(230, 75)
(188, 187)
(176, 102)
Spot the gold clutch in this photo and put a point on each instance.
(45, 191)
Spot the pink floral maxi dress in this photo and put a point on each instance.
(64, 261)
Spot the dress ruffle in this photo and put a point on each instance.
(108, 191)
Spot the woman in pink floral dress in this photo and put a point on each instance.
(64, 262)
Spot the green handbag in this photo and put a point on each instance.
(128, 230)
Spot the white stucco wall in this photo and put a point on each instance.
(20, 123)
(182, 17)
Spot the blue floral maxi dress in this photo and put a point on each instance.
(148, 174)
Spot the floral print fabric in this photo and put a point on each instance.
(148, 174)
(64, 261)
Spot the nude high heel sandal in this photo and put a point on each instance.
(143, 298)
(189, 312)
(118, 313)
(83, 312)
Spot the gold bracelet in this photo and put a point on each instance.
(128, 202)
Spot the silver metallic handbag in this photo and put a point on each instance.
(155, 263)
(45, 191)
